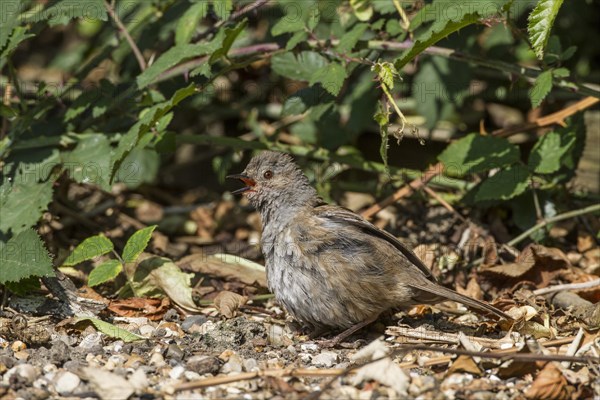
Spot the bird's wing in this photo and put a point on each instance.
(340, 214)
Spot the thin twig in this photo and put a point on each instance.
(567, 286)
(404, 191)
(125, 32)
(560, 217)
(232, 17)
(550, 119)
(443, 202)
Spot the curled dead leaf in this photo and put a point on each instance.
(228, 302)
(465, 364)
(153, 309)
(549, 384)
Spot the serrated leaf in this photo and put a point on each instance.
(188, 23)
(90, 248)
(104, 272)
(362, 9)
(112, 330)
(541, 87)
(547, 154)
(331, 77)
(24, 255)
(438, 31)
(23, 203)
(504, 184)
(300, 68)
(63, 11)
(292, 22)
(172, 57)
(10, 19)
(222, 8)
(386, 72)
(350, 38)
(19, 35)
(540, 23)
(89, 161)
(148, 120)
(296, 38)
(304, 99)
(231, 35)
(475, 153)
(137, 243)
(382, 117)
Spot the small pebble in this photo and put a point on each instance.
(191, 321)
(17, 345)
(66, 382)
(157, 360)
(234, 364)
(26, 372)
(325, 359)
(203, 364)
(146, 330)
(250, 365)
(175, 352)
(309, 347)
(22, 355)
(91, 342)
(305, 357)
(176, 372)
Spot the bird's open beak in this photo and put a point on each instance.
(249, 182)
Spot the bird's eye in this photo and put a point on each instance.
(268, 174)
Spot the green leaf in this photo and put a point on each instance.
(300, 68)
(137, 243)
(90, 248)
(156, 276)
(540, 24)
(10, 19)
(172, 57)
(18, 36)
(362, 9)
(438, 31)
(289, 23)
(231, 35)
(63, 11)
(561, 73)
(188, 23)
(23, 202)
(296, 38)
(541, 87)
(386, 72)
(112, 330)
(304, 99)
(504, 184)
(331, 77)
(350, 38)
(382, 117)
(547, 154)
(24, 255)
(104, 272)
(149, 118)
(475, 153)
(222, 8)
(89, 161)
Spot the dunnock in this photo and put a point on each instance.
(329, 267)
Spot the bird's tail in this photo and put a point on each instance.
(449, 294)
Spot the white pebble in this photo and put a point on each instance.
(325, 359)
(66, 382)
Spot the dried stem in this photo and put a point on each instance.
(125, 32)
(568, 286)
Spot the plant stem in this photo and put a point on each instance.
(528, 73)
(560, 217)
(123, 29)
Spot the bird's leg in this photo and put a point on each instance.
(348, 332)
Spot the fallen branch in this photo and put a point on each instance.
(568, 286)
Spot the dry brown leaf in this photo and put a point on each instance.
(549, 384)
(153, 309)
(427, 254)
(585, 242)
(465, 364)
(472, 290)
(228, 302)
(516, 368)
(226, 266)
(536, 263)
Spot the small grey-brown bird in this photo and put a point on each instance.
(329, 267)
